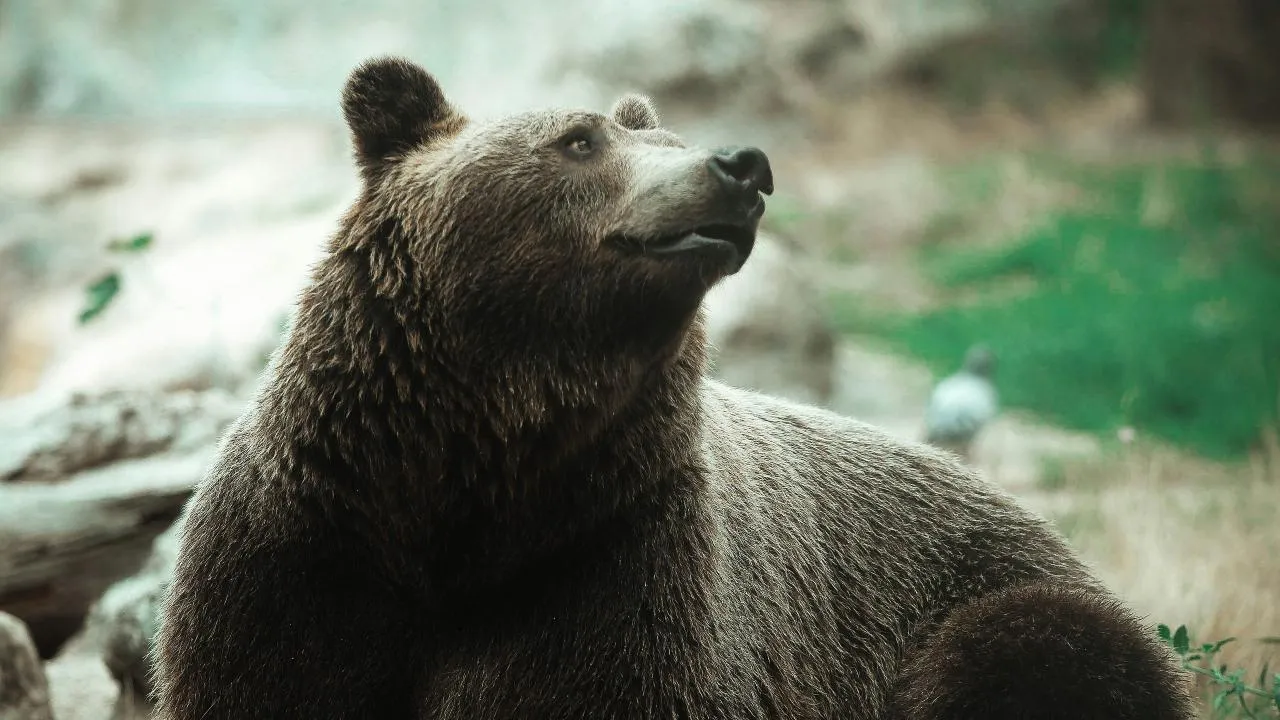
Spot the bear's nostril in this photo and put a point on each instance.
(745, 167)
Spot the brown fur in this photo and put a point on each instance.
(487, 479)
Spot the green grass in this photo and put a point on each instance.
(1103, 317)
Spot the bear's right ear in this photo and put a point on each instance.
(392, 106)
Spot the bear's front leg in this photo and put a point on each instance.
(284, 633)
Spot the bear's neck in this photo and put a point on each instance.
(491, 462)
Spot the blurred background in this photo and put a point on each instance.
(1086, 193)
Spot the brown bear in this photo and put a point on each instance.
(487, 478)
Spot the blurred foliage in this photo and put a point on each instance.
(1155, 305)
(1109, 32)
(1232, 693)
(100, 293)
(137, 243)
(1194, 61)
(1033, 54)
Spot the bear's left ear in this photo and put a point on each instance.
(392, 106)
(634, 111)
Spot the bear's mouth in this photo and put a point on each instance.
(737, 236)
(737, 239)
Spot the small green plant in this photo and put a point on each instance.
(137, 243)
(100, 293)
(1232, 695)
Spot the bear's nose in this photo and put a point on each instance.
(744, 167)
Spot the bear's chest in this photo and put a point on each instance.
(656, 650)
(562, 670)
(607, 644)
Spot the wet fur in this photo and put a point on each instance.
(488, 479)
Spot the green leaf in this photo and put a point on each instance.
(1218, 645)
(98, 295)
(1181, 642)
(137, 243)
(1163, 631)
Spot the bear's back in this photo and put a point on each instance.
(841, 542)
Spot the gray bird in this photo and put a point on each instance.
(962, 403)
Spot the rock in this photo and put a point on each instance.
(106, 489)
(767, 328)
(697, 51)
(732, 60)
(24, 689)
(121, 627)
(105, 670)
(81, 688)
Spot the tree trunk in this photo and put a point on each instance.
(1212, 60)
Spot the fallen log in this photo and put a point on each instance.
(62, 545)
(86, 485)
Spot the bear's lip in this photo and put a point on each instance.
(729, 237)
(725, 244)
(739, 237)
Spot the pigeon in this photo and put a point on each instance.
(962, 403)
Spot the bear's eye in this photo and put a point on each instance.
(579, 145)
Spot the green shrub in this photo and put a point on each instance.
(1231, 695)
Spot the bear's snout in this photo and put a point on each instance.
(743, 170)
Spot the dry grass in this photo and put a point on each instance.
(1184, 541)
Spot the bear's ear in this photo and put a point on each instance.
(634, 111)
(391, 106)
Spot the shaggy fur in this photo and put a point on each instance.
(487, 477)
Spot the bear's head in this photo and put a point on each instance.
(557, 239)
